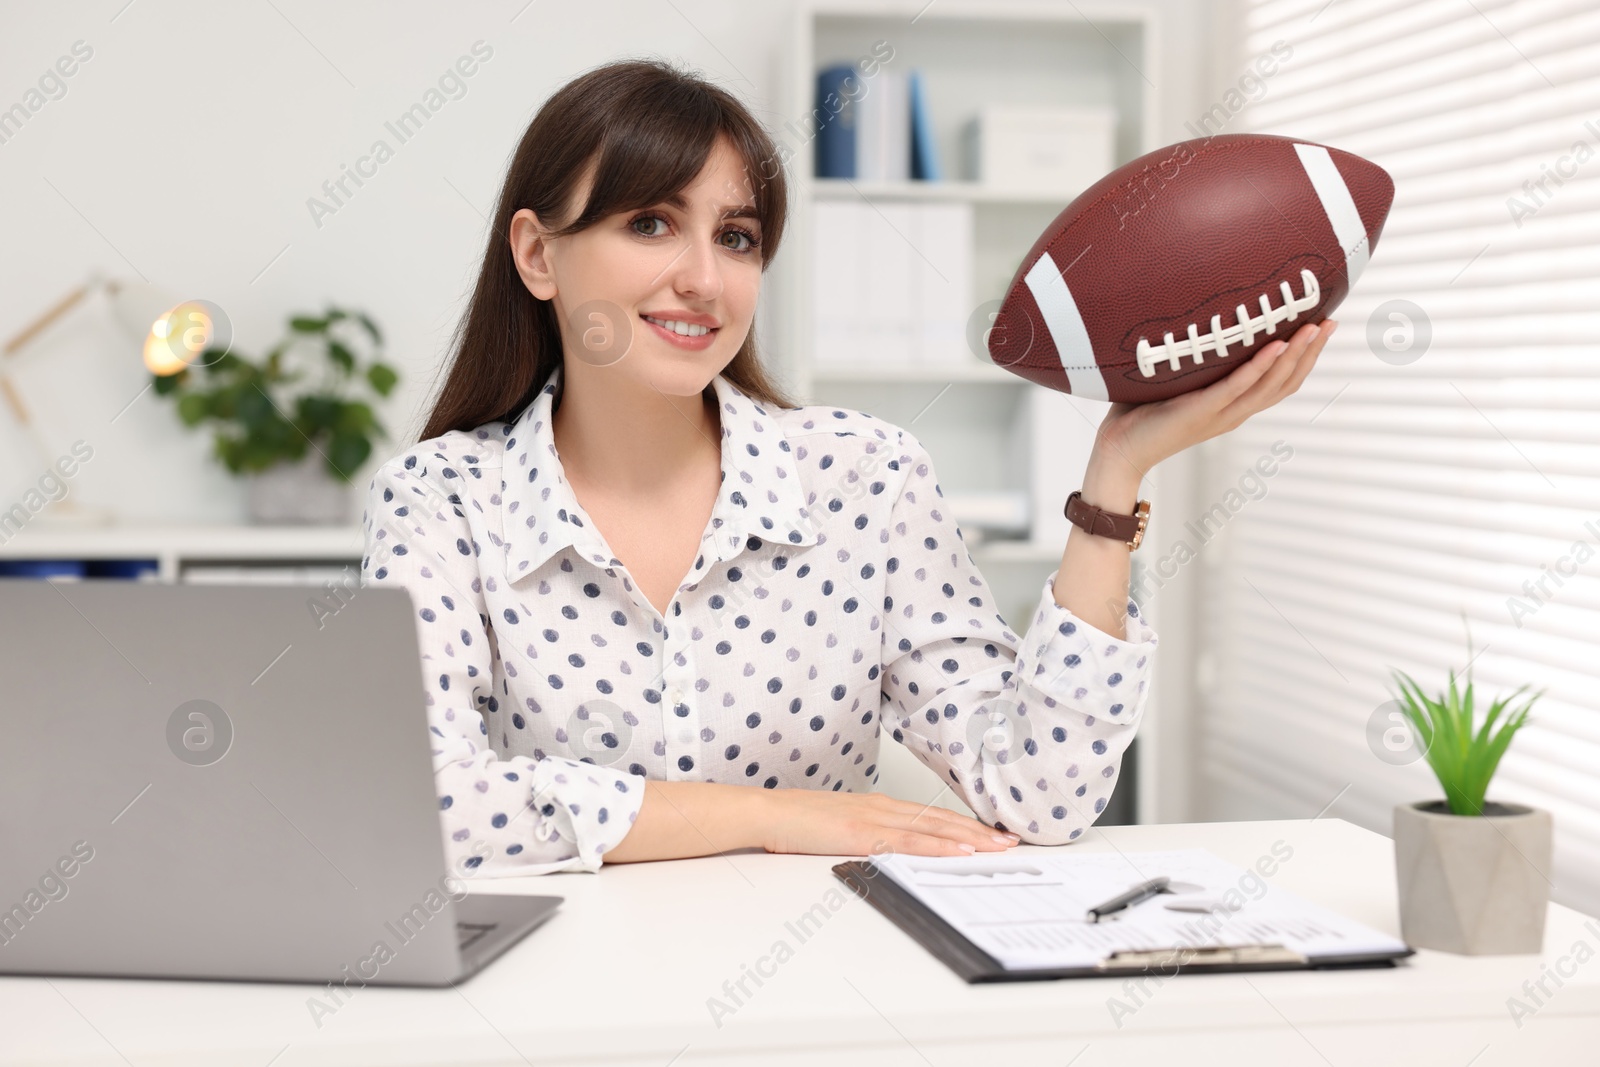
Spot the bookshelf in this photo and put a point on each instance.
(987, 429)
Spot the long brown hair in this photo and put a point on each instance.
(650, 127)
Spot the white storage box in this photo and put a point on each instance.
(878, 300)
(1043, 150)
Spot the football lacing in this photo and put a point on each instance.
(1243, 331)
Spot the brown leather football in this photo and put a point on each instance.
(1173, 270)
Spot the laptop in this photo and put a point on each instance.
(227, 782)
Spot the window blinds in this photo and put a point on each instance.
(1443, 467)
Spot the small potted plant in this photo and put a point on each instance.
(299, 441)
(1473, 873)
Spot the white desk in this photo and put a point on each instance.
(623, 972)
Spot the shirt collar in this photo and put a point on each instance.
(761, 495)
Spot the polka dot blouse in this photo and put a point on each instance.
(833, 601)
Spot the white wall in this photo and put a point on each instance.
(185, 149)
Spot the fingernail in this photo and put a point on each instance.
(1315, 330)
(1004, 839)
(967, 848)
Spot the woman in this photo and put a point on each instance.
(647, 582)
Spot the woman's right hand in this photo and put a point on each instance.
(825, 823)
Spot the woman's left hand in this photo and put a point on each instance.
(1146, 434)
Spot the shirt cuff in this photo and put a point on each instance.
(591, 806)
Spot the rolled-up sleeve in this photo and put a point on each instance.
(1030, 731)
(499, 816)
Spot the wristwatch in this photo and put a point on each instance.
(1095, 520)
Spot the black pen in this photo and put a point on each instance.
(1139, 892)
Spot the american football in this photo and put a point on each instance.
(1176, 268)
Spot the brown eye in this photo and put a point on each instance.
(752, 242)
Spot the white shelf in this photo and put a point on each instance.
(42, 540)
(971, 192)
(174, 547)
(919, 12)
(972, 371)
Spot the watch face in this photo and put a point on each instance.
(1143, 512)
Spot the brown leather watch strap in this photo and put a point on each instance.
(1102, 523)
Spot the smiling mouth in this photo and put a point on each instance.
(682, 329)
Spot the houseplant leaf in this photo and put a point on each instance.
(261, 422)
(342, 357)
(382, 378)
(347, 452)
(1462, 760)
(193, 408)
(317, 413)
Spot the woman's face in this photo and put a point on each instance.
(664, 295)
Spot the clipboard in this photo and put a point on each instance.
(974, 965)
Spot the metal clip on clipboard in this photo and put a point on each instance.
(1200, 957)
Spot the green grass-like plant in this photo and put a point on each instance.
(1462, 760)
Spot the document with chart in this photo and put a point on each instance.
(1031, 913)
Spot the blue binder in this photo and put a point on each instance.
(924, 157)
(836, 140)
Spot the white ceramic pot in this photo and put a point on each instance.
(1475, 885)
(302, 493)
